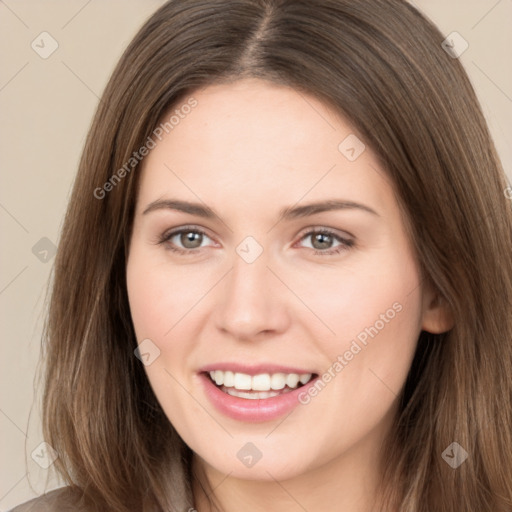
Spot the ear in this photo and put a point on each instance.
(437, 313)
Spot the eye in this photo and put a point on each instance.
(322, 239)
(189, 237)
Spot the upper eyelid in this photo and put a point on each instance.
(172, 232)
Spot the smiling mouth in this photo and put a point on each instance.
(259, 386)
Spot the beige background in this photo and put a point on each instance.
(47, 105)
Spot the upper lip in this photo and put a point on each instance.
(257, 369)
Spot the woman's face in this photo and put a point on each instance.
(269, 289)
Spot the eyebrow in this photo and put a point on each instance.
(288, 213)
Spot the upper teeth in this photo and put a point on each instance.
(261, 382)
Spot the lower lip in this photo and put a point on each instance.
(253, 410)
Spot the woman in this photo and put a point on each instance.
(205, 350)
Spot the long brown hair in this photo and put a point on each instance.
(380, 64)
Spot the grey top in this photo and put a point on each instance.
(58, 500)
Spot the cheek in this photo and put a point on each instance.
(380, 288)
(376, 317)
(147, 303)
(372, 309)
(167, 307)
(159, 294)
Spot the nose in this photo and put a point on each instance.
(251, 302)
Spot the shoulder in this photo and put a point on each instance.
(62, 500)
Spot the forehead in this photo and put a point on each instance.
(247, 138)
(252, 112)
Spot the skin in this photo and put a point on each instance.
(248, 150)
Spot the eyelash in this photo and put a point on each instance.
(345, 243)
